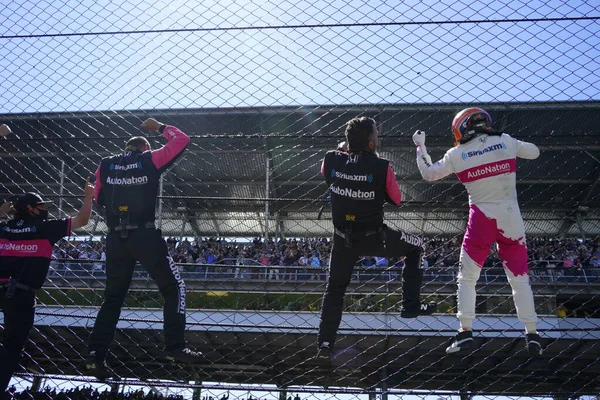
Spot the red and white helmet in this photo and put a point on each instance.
(463, 125)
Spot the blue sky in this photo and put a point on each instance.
(266, 54)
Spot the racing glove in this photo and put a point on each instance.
(419, 140)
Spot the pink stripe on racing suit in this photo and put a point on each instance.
(25, 248)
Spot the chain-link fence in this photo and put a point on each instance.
(264, 90)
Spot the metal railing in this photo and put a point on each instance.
(86, 269)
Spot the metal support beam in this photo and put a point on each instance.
(61, 189)
(270, 189)
(184, 219)
(36, 384)
(280, 226)
(267, 195)
(580, 225)
(283, 394)
(260, 222)
(114, 389)
(465, 396)
(196, 228)
(384, 384)
(196, 395)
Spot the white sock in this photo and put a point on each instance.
(466, 325)
(530, 327)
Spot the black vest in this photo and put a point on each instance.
(26, 248)
(129, 188)
(357, 184)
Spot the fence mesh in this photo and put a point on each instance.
(264, 90)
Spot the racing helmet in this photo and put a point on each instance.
(469, 122)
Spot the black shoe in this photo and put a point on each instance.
(97, 368)
(462, 342)
(425, 309)
(185, 355)
(324, 352)
(534, 344)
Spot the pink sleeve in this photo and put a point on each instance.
(391, 187)
(97, 185)
(177, 142)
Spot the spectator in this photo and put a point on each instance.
(86, 393)
(288, 260)
(542, 255)
(315, 263)
(273, 272)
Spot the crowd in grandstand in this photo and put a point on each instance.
(85, 393)
(89, 393)
(570, 253)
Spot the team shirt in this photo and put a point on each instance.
(26, 248)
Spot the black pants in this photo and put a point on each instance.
(18, 320)
(342, 265)
(149, 248)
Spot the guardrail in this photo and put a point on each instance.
(85, 269)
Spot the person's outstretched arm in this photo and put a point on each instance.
(429, 171)
(527, 150)
(178, 141)
(83, 216)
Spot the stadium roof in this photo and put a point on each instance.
(246, 164)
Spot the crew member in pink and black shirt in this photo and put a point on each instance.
(360, 183)
(25, 251)
(127, 188)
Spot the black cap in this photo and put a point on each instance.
(29, 199)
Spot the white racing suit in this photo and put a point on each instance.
(486, 165)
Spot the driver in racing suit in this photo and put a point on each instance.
(485, 162)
